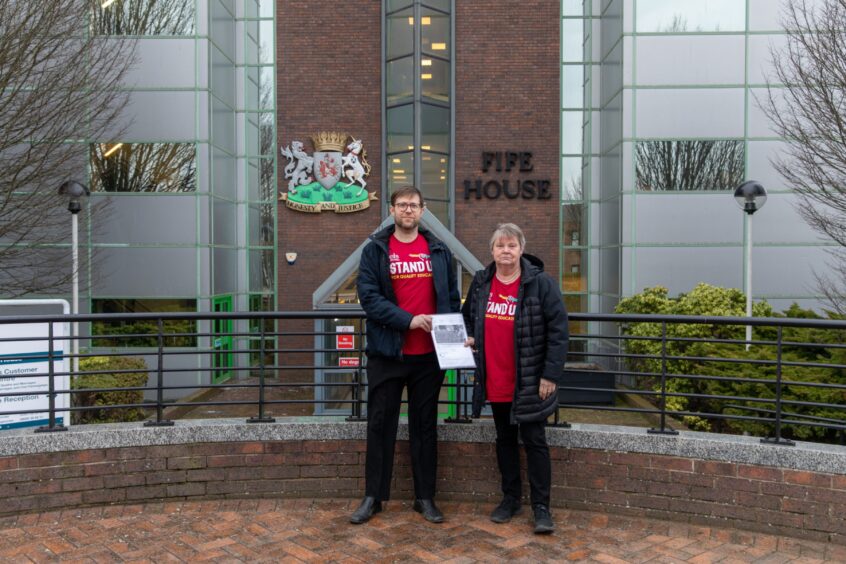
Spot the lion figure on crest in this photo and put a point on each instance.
(299, 166)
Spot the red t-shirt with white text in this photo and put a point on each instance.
(500, 360)
(411, 277)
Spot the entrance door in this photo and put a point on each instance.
(221, 341)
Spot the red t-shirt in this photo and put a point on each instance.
(411, 277)
(500, 360)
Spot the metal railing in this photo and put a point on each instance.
(284, 363)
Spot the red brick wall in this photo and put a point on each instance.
(507, 99)
(771, 500)
(329, 79)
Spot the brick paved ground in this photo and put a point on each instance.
(317, 530)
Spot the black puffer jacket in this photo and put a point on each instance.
(541, 337)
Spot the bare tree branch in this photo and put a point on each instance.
(806, 106)
(59, 87)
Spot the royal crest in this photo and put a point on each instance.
(333, 178)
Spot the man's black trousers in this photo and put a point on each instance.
(424, 380)
(508, 455)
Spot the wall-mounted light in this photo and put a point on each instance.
(291, 258)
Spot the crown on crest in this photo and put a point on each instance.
(329, 141)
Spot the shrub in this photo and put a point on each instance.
(698, 357)
(116, 379)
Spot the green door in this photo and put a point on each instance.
(221, 341)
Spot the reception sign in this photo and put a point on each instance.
(24, 369)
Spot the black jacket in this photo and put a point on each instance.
(540, 332)
(387, 322)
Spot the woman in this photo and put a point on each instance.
(519, 333)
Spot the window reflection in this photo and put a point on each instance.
(689, 165)
(673, 16)
(434, 76)
(143, 167)
(143, 17)
(399, 35)
(434, 176)
(401, 129)
(435, 128)
(400, 171)
(400, 79)
(434, 32)
(142, 333)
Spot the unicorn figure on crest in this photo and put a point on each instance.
(358, 166)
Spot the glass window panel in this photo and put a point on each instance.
(571, 132)
(261, 270)
(346, 293)
(267, 83)
(397, 4)
(252, 95)
(571, 8)
(400, 129)
(673, 16)
(142, 333)
(572, 86)
(434, 78)
(686, 59)
(442, 5)
(260, 180)
(434, 33)
(261, 225)
(571, 178)
(399, 34)
(689, 165)
(435, 123)
(704, 113)
(143, 167)
(400, 79)
(574, 225)
(434, 176)
(267, 7)
(400, 170)
(251, 41)
(439, 210)
(576, 304)
(251, 133)
(574, 278)
(572, 40)
(143, 17)
(267, 135)
(266, 51)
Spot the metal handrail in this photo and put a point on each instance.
(607, 348)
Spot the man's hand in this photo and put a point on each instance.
(470, 342)
(421, 322)
(547, 388)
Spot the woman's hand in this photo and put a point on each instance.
(470, 342)
(547, 388)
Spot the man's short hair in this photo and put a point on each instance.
(507, 231)
(407, 191)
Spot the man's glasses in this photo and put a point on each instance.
(403, 206)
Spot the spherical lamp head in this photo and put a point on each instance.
(750, 196)
(74, 192)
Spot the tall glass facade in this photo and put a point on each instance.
(418, 86)
(669, 124)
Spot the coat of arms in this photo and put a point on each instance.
(333, 178)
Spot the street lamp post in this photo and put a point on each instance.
(750, 196)
(74, 191)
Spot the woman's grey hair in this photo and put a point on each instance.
(508, 230)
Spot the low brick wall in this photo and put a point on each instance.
(800, 492)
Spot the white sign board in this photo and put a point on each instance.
(24, 366)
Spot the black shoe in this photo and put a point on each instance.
(369, 507)
(543, 520)
(429, 510)
(507, 508)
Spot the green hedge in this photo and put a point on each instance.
(115, 379)
(712, 301)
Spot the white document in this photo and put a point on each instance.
(449, 334)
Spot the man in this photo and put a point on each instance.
(405, 276)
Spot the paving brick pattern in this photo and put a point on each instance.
(277, 530)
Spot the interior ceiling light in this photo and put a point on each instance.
(426, 76)
(111, 151)
(426, 20)
(426, 62)
(438, 46)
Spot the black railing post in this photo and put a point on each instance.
(160, 421)
(358, 385)
(459, 418)
(262, 418)
(778, 440)
(51, 388)
(663, 430)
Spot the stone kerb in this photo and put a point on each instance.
(696, 478)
